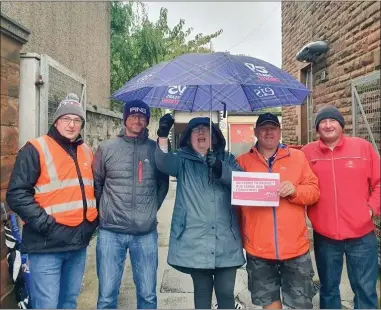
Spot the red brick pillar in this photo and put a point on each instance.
(12, 38)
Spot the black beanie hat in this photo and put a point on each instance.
(136, 106)
(329, 111)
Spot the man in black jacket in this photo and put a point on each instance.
(129, 190)
(51, 189)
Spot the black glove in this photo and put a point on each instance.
(165, 125)
(214, 163)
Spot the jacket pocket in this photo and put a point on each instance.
(233, 233)
(233, 223)
(178, 222)
(88, 230)
(62, 235)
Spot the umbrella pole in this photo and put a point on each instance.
(210, 130)
(210, 136)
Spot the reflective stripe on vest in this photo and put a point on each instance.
(56, 185)
(69, 206)
(49, 160)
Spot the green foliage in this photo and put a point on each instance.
(137, 43)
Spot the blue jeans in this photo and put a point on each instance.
(56, 279)
(362, 265)
(111, 256)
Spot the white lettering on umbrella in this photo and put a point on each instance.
(144, 78)
(176, 89)
(174, 94)
(264, 92)
(255, 68)
(261, 72)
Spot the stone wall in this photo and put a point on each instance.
(353, 32)
(103, 124)
(12, 38)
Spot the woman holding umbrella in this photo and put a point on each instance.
(205, 239)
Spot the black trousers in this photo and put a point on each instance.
(223, 281)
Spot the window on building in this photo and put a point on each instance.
(307, 117)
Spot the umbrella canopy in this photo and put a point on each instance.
(202, 82)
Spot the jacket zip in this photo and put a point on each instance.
(134, 170)
(274, 209)
(140, 172)
(275, 228)
(335, 189)
(81, 185)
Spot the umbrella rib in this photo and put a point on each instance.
(194, 99)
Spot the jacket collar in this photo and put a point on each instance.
(189, 153)
(323, 147)
(139, 139)
(63, 141)
(280, 152)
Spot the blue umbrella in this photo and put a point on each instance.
(215, 82)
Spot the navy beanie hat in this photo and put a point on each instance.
(329, 111)
(136, 107)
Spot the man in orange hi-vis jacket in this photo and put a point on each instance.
(276, 238)
(52, 189)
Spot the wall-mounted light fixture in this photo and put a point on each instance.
(311, 51)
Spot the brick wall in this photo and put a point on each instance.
(353, 32)
(12, 37)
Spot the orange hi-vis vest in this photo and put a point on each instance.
(58, 190)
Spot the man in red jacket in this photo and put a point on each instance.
(348, 170)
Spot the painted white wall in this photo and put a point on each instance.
(29, 114)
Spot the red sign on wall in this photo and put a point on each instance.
(242, 133)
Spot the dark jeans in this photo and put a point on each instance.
(362, 265)
(111, 257)
(223, 280)
(56, 279)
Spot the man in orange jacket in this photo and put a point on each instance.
(348, 169)
(52, 189)
(276, 239)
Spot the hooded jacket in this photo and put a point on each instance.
(204, 230)
(128, 187)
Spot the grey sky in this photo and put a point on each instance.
(251, 28)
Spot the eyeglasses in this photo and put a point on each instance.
(67, 120)
(200, 129)
(135, 117)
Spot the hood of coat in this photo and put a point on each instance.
(218, 140)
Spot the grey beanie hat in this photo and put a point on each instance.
(70, 105)
(329, 111)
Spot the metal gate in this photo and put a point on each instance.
(366, 107)
(58, 81)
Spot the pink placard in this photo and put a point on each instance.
(255, 189)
